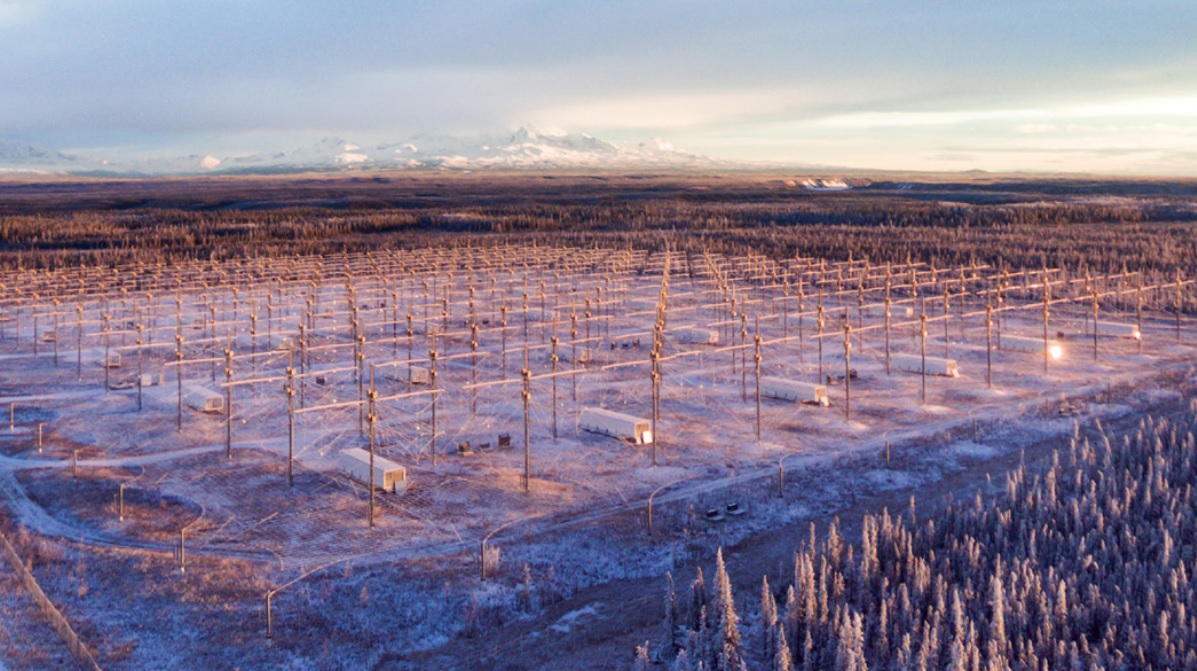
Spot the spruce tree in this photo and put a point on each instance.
(726, 624)
(782, 661)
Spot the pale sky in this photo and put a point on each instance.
(1079, 85)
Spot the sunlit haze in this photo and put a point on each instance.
(1093, 86)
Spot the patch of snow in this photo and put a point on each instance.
(968, 448)
(350, 158)
(567, 621)
(826, 184)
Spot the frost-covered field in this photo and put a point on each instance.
(102, 486)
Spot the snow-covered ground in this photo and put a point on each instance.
(584, 516)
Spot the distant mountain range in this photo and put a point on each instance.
(526, 148)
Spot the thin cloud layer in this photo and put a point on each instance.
(870, 84)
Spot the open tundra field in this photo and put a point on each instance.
(183, 366)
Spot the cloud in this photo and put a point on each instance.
(772, 78)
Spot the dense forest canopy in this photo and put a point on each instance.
(1078, 224)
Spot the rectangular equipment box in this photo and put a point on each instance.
(203, 399)
(355, 464)
(792, 390)
(1032, 345)
(151, 380)
(617, 425)
(913, 363)
(697, 336)
(1115, 329)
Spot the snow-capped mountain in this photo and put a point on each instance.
(23, 157)
(526, 148)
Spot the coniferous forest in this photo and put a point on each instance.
(1088, 564)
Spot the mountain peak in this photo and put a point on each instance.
(528, 147)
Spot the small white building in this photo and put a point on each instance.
(151, 380)
(1032, 345)
(793, 390)
(1115, 329)
(697, 336)
(635, 430)
(203, 399)
(913, 363)
(354, 463)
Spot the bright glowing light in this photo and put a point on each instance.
(1056, 351)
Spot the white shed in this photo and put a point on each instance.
(203, 399)
(1032, 345)
(697, 336)
(793, 390)
(1115, 329)
(151, 380)
(913, 363)
(388, 475)
(617, 425)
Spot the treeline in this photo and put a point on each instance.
(1088, 564)
(1102, 238)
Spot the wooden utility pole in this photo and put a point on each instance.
(923, 350)
(503, 334)
(1179, 304)
(78, 343)
(887, 317)
(289, 390)
(1139, 312)
(743, 356)
(474, 364)
(553, 361)
(432, 374)
(179, 379)
(654, 379)
(360, 361)
(372, 417)
(56, 303)
(819, 323)
(107, 360)
(228, 403)
(988, 344)
(1047, 291)
(756, 357)
(526, 395)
